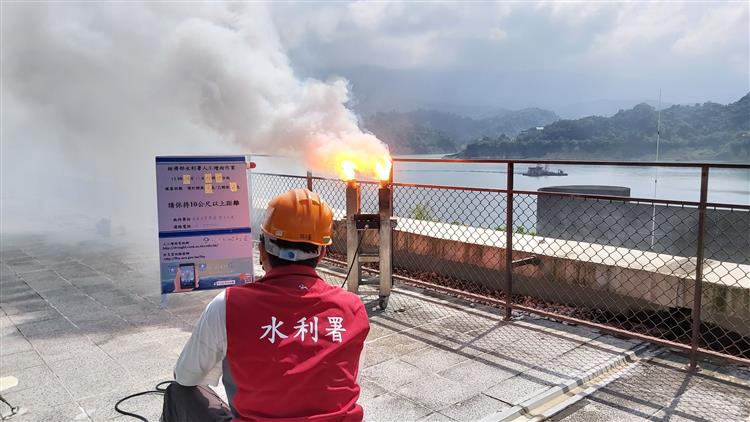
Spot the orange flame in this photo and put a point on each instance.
(383, 169)
(349, 166)
(348, 170)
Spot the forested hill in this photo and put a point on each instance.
(430, 131)
(706, 131)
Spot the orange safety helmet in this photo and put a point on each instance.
(299, 215)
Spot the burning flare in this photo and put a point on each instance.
(348, 170)
(383, 169)
(350, 166)
(349, 155)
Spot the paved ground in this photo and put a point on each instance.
(81, 327)
(659, 389)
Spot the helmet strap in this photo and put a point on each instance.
(288, 254)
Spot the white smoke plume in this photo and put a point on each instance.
(91, 92)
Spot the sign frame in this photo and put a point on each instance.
(204, 217)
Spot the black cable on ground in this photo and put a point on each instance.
(354, 261)
(157, 390)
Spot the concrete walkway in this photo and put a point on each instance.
(81, 327)
(660, 389)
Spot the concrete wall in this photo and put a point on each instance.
(597, 276)
(629, 225)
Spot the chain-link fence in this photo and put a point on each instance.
(601, 261)
(669, 271)
(265, 187)
(726, 275)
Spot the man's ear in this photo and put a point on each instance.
(261, 252)
(322, 255)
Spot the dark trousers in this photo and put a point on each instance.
(193, 404)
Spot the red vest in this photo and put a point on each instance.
(293, 347)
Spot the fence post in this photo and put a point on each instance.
(309, 181)
(509, 244)
(698, 291)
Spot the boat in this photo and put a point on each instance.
(538, 171)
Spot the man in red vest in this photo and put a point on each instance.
(288, 344)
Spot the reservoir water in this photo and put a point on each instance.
(729, 186)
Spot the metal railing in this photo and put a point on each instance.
(668, 271)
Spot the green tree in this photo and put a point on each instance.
(422, 212)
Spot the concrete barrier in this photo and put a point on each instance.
(669, 229)
(612, 278)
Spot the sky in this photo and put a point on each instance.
(549, 54)
(91, 92)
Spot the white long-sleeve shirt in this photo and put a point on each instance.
(201, 359)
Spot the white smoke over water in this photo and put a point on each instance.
(92, 92)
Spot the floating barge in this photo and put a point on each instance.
(538, 171)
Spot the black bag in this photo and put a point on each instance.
(193, 404)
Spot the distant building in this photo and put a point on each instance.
(540, 128)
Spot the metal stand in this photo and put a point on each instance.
(385, 249)
(356, 226)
